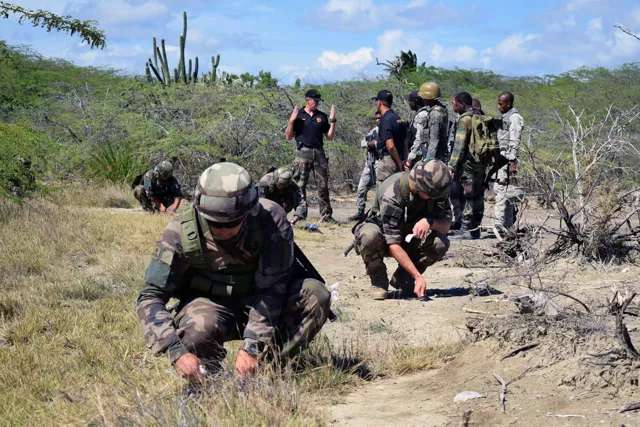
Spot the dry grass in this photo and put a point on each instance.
(91, 195)
(71, 351)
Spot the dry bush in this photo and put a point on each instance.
(92, 195)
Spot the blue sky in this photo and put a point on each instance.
(329, 40)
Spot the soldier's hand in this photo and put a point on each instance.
(420, 287)
(332, 112)
(513, 169)
(163, 209)
(294, 114)
(422, 229)
(406, 166)
(188, 366)
(245, 364)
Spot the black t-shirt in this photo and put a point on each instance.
(392, 127)
(309, 130)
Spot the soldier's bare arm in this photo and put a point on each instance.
(289, 131)
(393, 152)
(332, 125)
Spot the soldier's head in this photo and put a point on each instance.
(164, 169)
(475, 103)
(430, 93)
(224, 196)
(414, 100)
(430, 179)
(282, 177)
(376, 117)
(383, 100)
(462, 102)
(312, 99)
(505, 102)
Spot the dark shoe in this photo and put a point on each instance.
(466, 235)
(456, 226)
(329, 220)
(357, 217)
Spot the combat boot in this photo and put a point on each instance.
(466, 234)
(379, 289)
(328, 219)
(357, 217)
(403, 281)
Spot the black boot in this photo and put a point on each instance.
(357, 217)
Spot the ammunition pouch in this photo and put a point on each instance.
(230, 282)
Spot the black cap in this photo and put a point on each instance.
(314, 94)
(384, 95)
(413, 96)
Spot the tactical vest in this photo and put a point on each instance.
(233, 281)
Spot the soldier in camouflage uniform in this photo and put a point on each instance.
(308, 125)
(430, 127)
(466, 171)
(229, 260)
(160, 190)
(278, 186)
(412, 202)
(368, 175)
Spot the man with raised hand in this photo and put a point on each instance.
(229, 259)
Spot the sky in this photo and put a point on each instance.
(330, 40)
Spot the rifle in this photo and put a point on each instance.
(497, 165)
(302, 262)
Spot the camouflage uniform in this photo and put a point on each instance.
(431, 131)
(164, 191)
(288, 198)
(469, 174)
(245, 287)
(368, 175)
(509, 139)
(394, 213)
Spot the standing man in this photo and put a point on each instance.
(392, 133)
(415, 142)
(509, 139)
(278, 186)
(477, 105)
(368, 176)
(308, 126)
(229, 259)
(467, 170)
(160, 190)
(411, 202)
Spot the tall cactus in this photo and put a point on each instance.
(195, 72)
(215, 61)
(165, 65)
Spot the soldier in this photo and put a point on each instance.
(368, 175)
(160, 190)
(307, 126)
(278, 186)
(414, 141)
(229, 260)
(412, 202)
(392, 131)
(456, 189)
(509, 140)
(431, 127)
(477, 105)
(465, 169)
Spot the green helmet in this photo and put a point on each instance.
(431, 177)
(429, 90)
(164, 168)
(282, 177)
(225, 193)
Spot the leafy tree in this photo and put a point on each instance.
(87, 30)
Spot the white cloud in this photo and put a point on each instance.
(121, 12)
(595, 25)
(517, 49)
(390, 43)
(465, 54)
(357, 60)
(348, 15)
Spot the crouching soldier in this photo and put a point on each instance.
(414, 203)
(160, 190)
(229, 259)
(278, 186)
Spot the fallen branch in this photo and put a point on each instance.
(629, 407)
(565, 415)
(466, 417)
(621, 329)
(519, 350)
(503, 391)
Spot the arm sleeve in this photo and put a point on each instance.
(392, 216)
(326, 125)
(162, 278)
(148, 185)
(419, 124)
(384, 134)
(272, 278)
(433, 136)
(463, 128)
(515, 135)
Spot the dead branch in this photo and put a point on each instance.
(503, 391)
(621, 329)
(466, 418)
(629, 407)
(520, 350)
(627, 31)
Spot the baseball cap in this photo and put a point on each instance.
(384, 95)
(314, 94)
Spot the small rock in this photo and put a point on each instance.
(626, 270)
(467, 395)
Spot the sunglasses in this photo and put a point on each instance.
(231, 224)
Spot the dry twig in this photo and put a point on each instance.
(503, 391)
(520, 349)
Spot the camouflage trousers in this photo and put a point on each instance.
(456, 205)
(204, 325)
(366, 183)
(472, 197)
(386, 167)
(306, 161)
(372, 246)
(145, 201)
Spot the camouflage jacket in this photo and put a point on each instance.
(399, 210)
(160, 189)
(510, 134)
(170, 275)
(460, 153)
(289, 198)
(431, 132)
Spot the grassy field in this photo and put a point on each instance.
(71, 351)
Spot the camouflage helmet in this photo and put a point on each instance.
(282, 177)
(225, 193)
(430, 90)
(431, 177)
(164, 168)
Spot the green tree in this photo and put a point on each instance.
(87, 30)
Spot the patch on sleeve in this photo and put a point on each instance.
(392, 215)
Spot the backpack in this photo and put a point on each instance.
(484, 146)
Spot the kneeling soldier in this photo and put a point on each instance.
(229, 260)
(413, 202)
(278, 186)
(160, 190)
